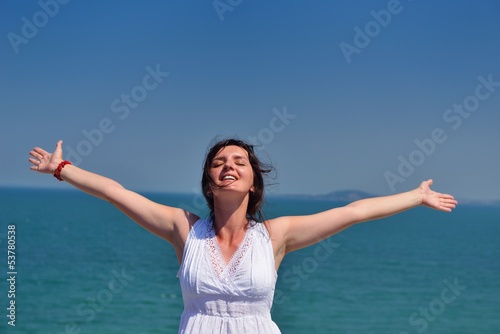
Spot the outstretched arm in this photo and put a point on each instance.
(162, 220)
(380, 207)
(302, 231)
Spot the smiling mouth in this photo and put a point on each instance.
(229, 177)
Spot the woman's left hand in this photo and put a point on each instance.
(435, 200)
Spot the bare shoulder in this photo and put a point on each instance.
(277, 226)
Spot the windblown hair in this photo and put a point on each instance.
(260, 169)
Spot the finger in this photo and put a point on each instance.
(34, 161)
(448, 208)
(448, 199)
(447, 202)
(40, 151)
(448, 205)
(59, 147)
(36, 155)
(35, 166)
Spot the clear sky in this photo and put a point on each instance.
(368, 95)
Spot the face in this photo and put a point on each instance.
(231, 170)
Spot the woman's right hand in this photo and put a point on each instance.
(45, 162)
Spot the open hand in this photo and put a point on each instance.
(45, 162)
(435, 200)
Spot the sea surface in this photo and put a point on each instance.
(81, 266)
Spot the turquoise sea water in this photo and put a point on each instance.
(84, 267)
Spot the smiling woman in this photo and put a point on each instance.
(229, 261)
(244, 156)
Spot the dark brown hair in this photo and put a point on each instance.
(260, 169)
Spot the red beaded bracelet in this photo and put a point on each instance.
(57, 172)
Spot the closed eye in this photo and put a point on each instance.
(240, 162)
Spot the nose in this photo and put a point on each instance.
(228, 165)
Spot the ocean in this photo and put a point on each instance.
(81, 266)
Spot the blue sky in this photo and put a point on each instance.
(368, 95)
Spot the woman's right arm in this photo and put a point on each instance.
(167, 222)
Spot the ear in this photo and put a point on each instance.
(252, 190)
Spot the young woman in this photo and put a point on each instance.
(229, 261)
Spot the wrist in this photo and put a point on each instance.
(59, 168)
(54, 165)
(419, 196)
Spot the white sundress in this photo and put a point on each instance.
(233, 298)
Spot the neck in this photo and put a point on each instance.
(230, 217)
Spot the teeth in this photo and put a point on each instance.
(229, 177)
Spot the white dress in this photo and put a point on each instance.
(233, 298)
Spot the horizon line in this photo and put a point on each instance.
(463, 201)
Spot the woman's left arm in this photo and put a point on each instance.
(301, 231)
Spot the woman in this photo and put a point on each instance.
(229, 261)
